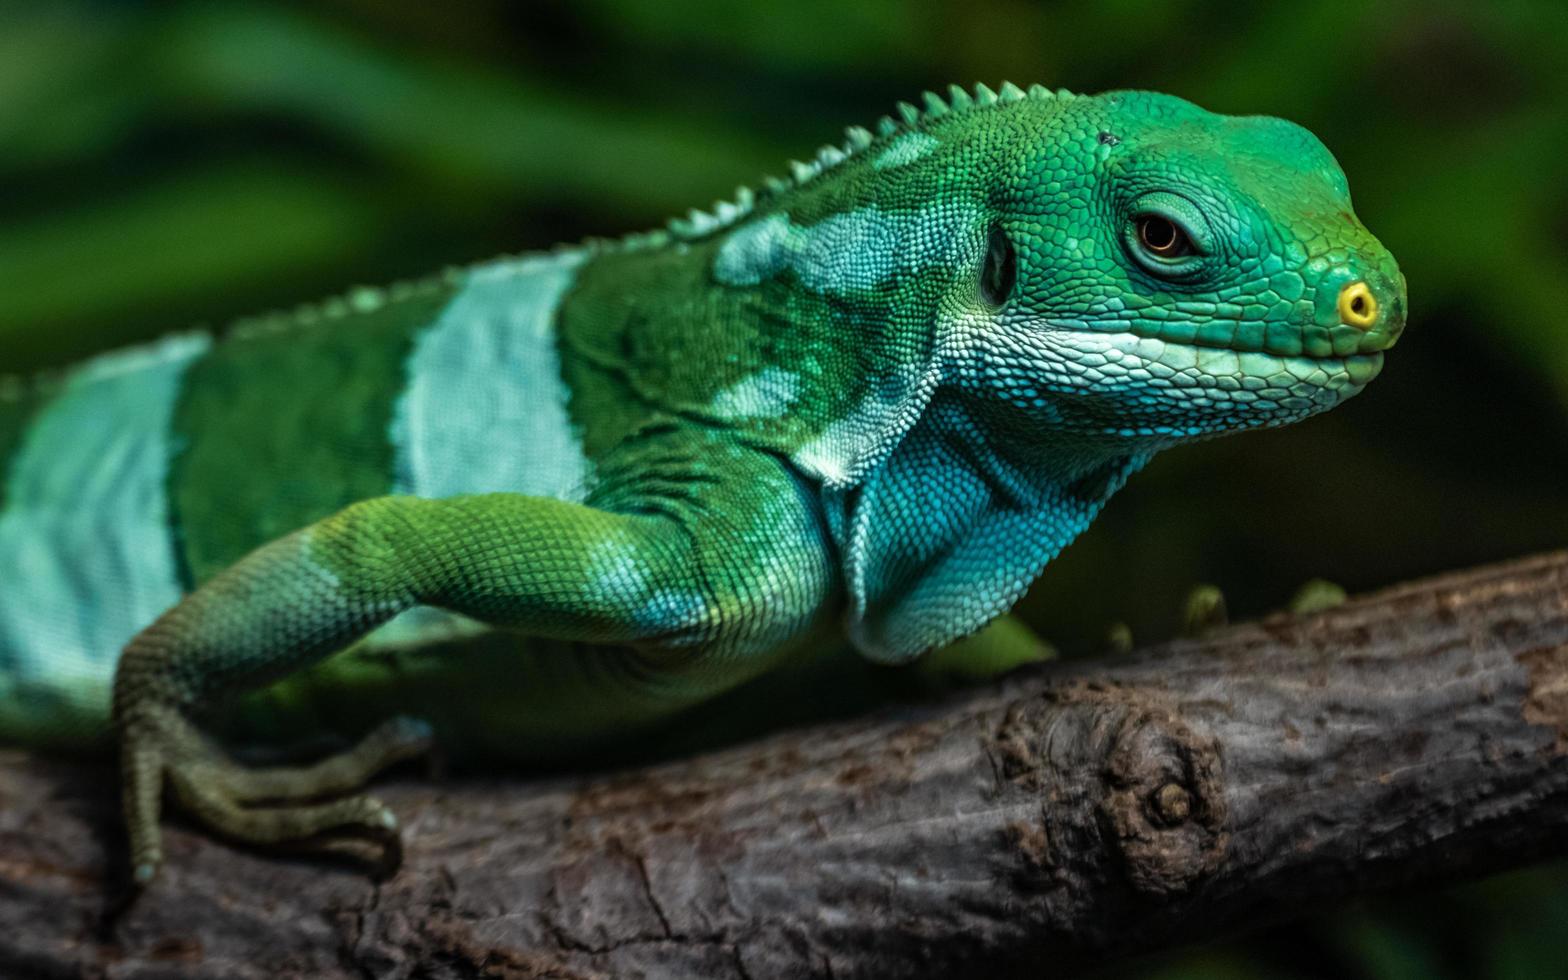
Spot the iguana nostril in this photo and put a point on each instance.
(1357, 305)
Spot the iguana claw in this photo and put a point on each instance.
(258, 805)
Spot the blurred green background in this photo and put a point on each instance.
(168, 164)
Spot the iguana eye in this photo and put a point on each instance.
(1000, 272)
(1162, 237)
(1168, 236)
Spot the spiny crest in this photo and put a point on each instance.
(356, 301)
(697, 223)
(359, 300)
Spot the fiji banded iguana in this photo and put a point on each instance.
(868, 402)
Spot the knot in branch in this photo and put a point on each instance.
(1164, 802)
(1115, 766)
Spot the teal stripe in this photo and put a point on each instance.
(84, 535)
(486, 407)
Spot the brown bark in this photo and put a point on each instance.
(1070, 814)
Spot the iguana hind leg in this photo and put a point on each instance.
(715, 582)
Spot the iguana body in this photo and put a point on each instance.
(873, 400)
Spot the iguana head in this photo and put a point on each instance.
(1155, 270)
(1114, 273)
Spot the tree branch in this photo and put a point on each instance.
(1073, 813)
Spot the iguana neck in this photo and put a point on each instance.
(963, 505)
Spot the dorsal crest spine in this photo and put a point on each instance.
(697, 223)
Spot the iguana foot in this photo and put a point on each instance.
(1316, 596)
(1204, 610)
(1118, 638)
(1003, 645)
(225, 795)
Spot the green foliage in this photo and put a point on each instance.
(167, 164)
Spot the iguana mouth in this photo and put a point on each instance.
(1358, 368)
(1312, 341)
(1365, 324)
(1271, 350)
(1194, 364)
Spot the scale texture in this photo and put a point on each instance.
(570, 494)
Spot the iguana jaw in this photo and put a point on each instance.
(1314, 328)
(1127, 386)
(1280, 338)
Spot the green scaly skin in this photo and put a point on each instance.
(870, 402)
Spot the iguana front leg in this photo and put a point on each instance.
(681, 566)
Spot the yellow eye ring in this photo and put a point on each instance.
(1357, 306)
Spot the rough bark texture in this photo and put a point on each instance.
(1070, 814)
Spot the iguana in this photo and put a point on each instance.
(871, 400)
